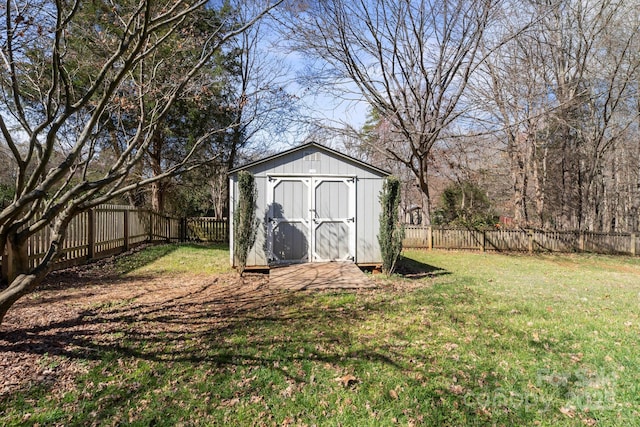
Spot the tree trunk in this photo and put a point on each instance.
(424, 188)
(158, 190)
(519, 177)
(17, 259)
(540, 182)
(21, 280)
(19, 287)
(236, 144)
(155, 161)
(565, 198)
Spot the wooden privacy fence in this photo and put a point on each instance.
(110, 229)
(520, 240)
(103, 231)
(207, 229)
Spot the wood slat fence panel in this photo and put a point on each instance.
(609, 243)
(138, 227)
(506, 240)
(520, 240)
(556, 241)
(452, 238)
(107, 230)
(207, 229)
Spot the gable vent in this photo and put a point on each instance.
(311, 156)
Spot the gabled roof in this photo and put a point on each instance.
(306, 147)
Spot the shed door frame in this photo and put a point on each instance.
(273, 223)
(312, 222)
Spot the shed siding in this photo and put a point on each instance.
(368, 214)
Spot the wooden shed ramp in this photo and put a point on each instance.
(324, 275)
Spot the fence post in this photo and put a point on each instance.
(168, 229)
(581, 241)
(633, 244)
(530, 232)
(91, 234)
(126, 229)
(483, 239)
(429, 238)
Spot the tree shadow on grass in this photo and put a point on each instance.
(217, 334)
(215, 327)
(159, 331)
(111, 268)
(198, 325)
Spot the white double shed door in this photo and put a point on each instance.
(311, 218)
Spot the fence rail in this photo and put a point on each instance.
(521, 240)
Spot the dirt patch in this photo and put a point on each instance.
(49, 337)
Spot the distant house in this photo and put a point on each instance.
(315, 204)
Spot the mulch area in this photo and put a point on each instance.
(50, 336)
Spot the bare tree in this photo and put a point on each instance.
(263, 109)
(510, 90)
(410, 60)
(561, 95)
(51, 113)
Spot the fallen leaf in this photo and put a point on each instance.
(569, 412)
(484, 411)
(393, 394)
(288, 392)
(347, 380)
(229, 402)
(456, 389)
(450, 346)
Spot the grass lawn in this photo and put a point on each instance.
(460, 339)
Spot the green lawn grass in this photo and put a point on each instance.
(176, 259)
(471, 339)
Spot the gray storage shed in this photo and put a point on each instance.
(315, 204)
